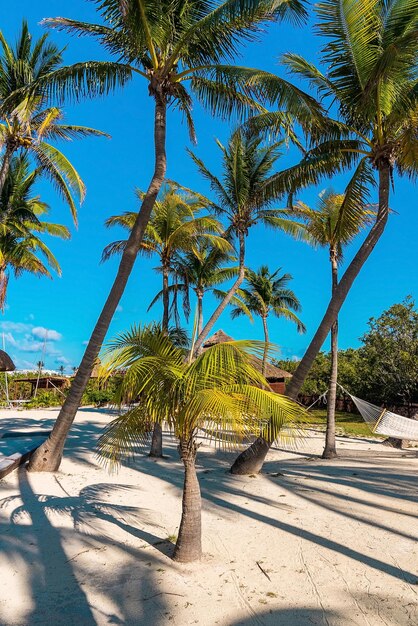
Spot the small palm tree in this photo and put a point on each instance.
(182, 49)
(220, 392)
(243, 198)
(202, 269)
(27, 121)
(21, 225)
(325, 227)
(61, 369)
(266, 294)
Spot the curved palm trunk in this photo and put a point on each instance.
(47, 457)
(251, 460)
(266, 345)
(330, 450)
(189, 542)
(228, 297)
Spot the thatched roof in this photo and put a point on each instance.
(6, 363)
(218, 337)
(272, 372)
(46, 382)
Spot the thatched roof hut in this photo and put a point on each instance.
(274, 375)
(6, 363)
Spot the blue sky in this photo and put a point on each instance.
(67, 307)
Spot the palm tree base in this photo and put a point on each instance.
(329, 453)
(187, 556)
(251, 460)
(44, 459)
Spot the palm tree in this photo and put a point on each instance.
(370, 79)
(61, 370)
(324, 228)
(267, 293)
(27, 121)
(174, 227)
(202, 269)
(220, 391)
(21, 225)
(243, 199)
(171, 45)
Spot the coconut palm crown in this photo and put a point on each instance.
(175, 226)
(21, 227)
(266, 293)
(220, 392)
(180, 48)
(244, 197)
(28, 121)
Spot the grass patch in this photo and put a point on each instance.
(346, 423)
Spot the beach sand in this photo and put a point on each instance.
(307, 542)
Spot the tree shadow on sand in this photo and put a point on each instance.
(216, 483)
(56, 581)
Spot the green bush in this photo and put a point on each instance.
(45, 399)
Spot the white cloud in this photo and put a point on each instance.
(17, 327)
(85, 343)
(45, 333)
(119, 309)
(62, 360)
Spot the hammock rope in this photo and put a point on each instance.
(384, 422)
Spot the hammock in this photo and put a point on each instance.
(384, 422)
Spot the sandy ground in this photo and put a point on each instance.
(307, 542)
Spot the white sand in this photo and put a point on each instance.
(308, 542)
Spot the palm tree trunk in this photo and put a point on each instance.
(47, 457)
(189, 542)
(199, 313)
(156, 450)
(330, 450)
(3, 288)
(5, 166)
(251, 460)
(227, 299)
(266, 345)
(166, 297)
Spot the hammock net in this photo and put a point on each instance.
(383, 422)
